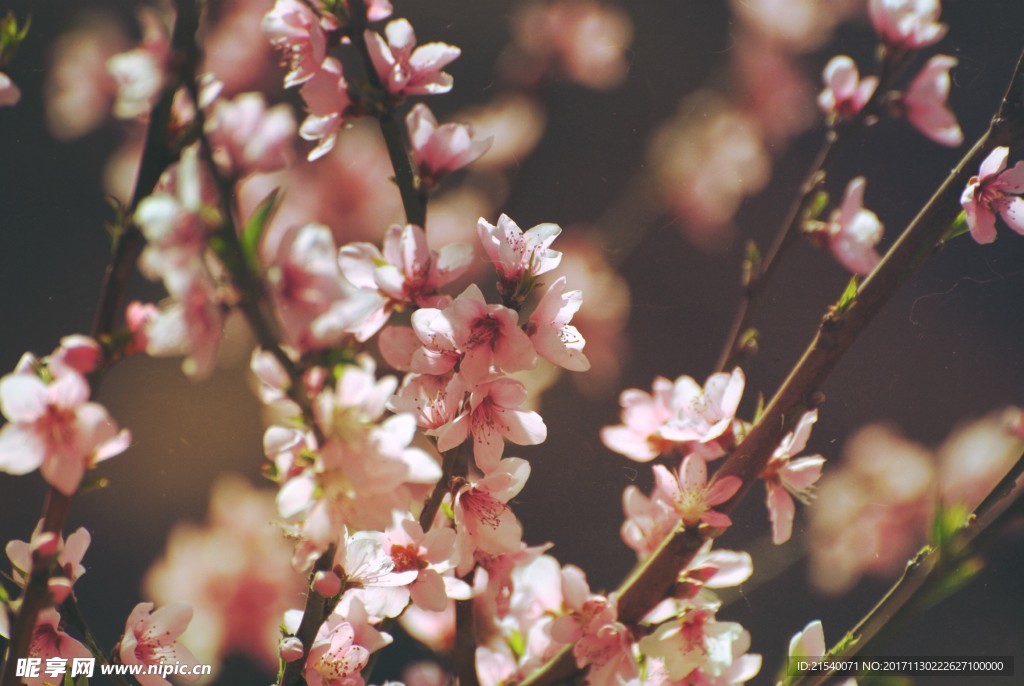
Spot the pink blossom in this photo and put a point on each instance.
(171, 221)
(76, 353)
(315, 303)
(786, 477)
(925, 102)
(10, 94)
(372, 575)
(483, 520)
(845, 92)
(973, 459)
(55, 429)
(328, 103)
(407, 272)
(587, 42)
(491, 417)
(995, 189)
(406, 69)
(137, 316)
(68, 554)
(810, 644)
(697, 641)
(191, 323)
(139, 73)
(648, 521)
(434, 400)
(151, 638)
(643, 414)
(853, 231)
(554, 338)
(50, 642)
(431, 555)
(334, 658)
(691, 496)
(248, 137)
(295, 29)
(518, 256)
(705, 416)
(440, 150)
(486, 335)
(591, 625)
(907, 24)
(79, 89)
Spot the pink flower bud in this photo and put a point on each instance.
(291, 649)
(45, 544)
(327, 584)
(78, 352)
(60, 589)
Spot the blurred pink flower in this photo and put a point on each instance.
(327, 102)
(853, 231)
(994, 190)
(296, 30)
(54, 428)
(139, 73)
(845, 92)
(334, 658)
(247, 136)
(586, 42)
(873, 509)
(925, 102)
(907, 24)
(10, 94)
(235, 570)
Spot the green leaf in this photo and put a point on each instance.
(446, 508)
(257, 224)
(816, 205)
(759, 410)
(93, 482)
(82, 680)
(847, 299)
(959, 228)
(517, 643)
(946, 523)
(752, 262)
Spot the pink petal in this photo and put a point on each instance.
(693, 473)
(488, 446)
(22, 397)
(718, 520)
(780, 510)
(63, 472)
(1012, 180)
(21, 450)
(722, 489)
(981, 222)
(524, 427)
(428, 592)
(666, 483)
(994, 163)
(1013, 214)
(800, 474)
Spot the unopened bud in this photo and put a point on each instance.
(291, 649)
(327, 584)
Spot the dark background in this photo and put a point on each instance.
(946, 349)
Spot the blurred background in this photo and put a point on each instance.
(661, 136)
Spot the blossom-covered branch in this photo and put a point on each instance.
(156, 157)
(650, 582)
